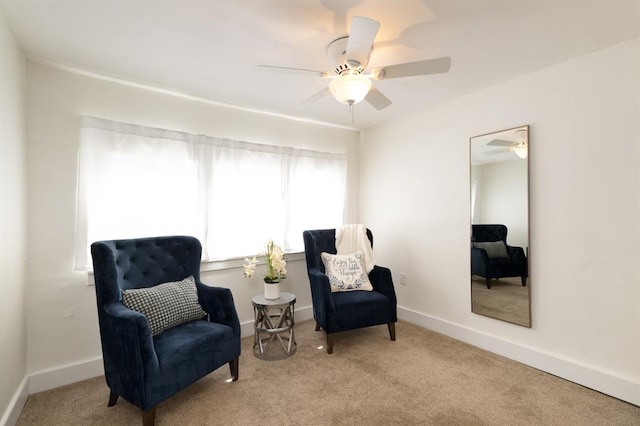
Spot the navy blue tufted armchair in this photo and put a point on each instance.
(492, 257)
(342, 311)
(142, 368)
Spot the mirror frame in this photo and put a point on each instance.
(483, 139)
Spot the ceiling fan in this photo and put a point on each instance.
(518, 147)
(349, 82)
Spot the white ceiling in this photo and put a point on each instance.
(209, 48)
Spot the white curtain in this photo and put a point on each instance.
(136, 181)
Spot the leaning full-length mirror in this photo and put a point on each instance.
(500, 284)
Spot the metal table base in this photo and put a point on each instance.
(274, 336)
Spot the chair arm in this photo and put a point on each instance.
(321, 292)
(516, 254)
(479, 261)
(127, 345)
(218, 303)
(382, 282)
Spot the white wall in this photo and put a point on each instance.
(13, 211)
(502, 198)
(585, 215)
(63, 329)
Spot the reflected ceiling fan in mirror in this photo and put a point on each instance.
(518, 147)
(349, 82)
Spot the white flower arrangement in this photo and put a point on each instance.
(275, 261)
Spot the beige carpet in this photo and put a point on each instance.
(423, 378)
(507, 299)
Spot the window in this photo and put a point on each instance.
(136, 181)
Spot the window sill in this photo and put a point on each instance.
(218, 265)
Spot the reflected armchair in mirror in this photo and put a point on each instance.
(492, 257)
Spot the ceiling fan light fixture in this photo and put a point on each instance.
(350, 89)
(521, 150)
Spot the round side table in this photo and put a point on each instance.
(274, 336)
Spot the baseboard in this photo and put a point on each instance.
(572, 370)
(51, 378)
(12, 413)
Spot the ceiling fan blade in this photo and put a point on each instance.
(293, 70)
(361, 36)
(377, 99)
(315, 97)
(500, 142)
(410, 69)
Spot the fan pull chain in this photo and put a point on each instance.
(351, 112)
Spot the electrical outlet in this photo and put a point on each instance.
(403, 278)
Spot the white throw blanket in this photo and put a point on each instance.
(352, 238)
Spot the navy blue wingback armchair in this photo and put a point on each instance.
(144, 369)
(342, 311)
(488, 262)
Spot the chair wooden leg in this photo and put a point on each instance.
(489, 283)
(329, 344)
(113, 398)
(524, 281)
(149, 417)
(233, 366)
(392, 330)
(317, 326)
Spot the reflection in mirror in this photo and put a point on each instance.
(500, 285)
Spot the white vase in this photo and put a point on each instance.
(271, 290)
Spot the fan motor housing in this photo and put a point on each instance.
(336, 52)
